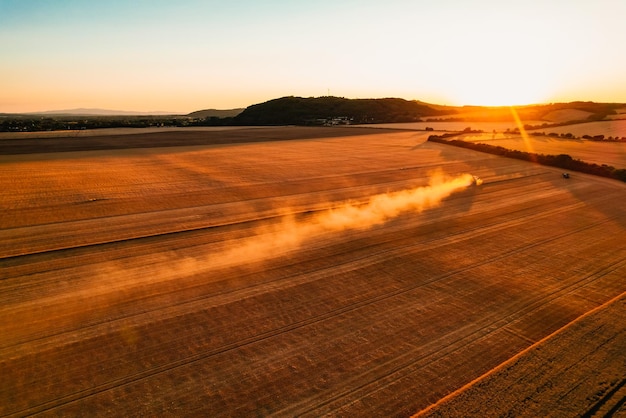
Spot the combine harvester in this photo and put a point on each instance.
(476, 181)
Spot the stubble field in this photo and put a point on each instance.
(614, 128)
(233, 280)
(598, 152)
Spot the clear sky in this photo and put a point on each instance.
(186, 55)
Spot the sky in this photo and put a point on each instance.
(186, 55)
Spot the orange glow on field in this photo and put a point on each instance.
(527, 143)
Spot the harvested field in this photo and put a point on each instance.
(551, 378)
(598, 152)
(67, 141)
(208, 280)
(614, 128)
(619, 114)
(566, 115)
(79, 133)
(498, 126)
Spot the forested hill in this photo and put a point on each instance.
(319, 110)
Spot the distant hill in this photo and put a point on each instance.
(293, 110)
(566, 115)
(550, 113)
(96, 112)
(325, 110)
(215, 113)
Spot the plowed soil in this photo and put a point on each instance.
(129, 286)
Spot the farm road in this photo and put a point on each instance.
(127, 305)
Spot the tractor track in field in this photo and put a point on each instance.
(610, 403)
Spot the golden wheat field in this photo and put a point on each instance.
(598, 152)
(457, 126)
(303, 272)
(608, 128)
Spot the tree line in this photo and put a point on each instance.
(563, 161)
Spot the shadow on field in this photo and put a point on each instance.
(176, 138)
(597, 193)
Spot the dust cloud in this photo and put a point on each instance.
(116, 280)
(291, 234)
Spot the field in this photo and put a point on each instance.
(108, 131)
(614, 128)
(302, 272)
(456, 126)
(566, 115)
(598, 152)
(586, 381)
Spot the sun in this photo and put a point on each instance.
(499, 94)
(506, 86)
(501, 65)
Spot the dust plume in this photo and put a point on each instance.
(118, 280)
(291, 234)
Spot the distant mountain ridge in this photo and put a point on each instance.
(215, 113)
(98, 112)
(316, 111)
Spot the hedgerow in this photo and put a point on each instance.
(563, 161)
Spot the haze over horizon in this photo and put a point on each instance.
(189, 55)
